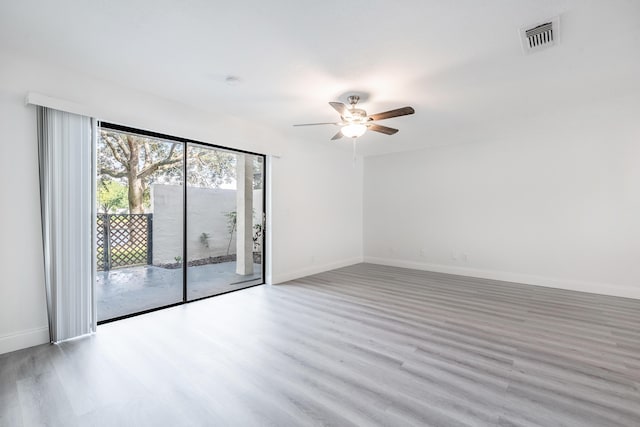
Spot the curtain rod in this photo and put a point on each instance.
(34, 98)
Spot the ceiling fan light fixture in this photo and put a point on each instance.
(354, 121)
(353, 130)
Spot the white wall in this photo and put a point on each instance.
(552, 200)
(318, 216)
(207, 209)
(23, 317)
(316, 200)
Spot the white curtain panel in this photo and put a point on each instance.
(66, 157)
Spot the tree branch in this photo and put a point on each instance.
(163, 164)
(116, 152)
(147, 153)
(113, 173)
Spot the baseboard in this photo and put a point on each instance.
(23, 339)
(315, 269)
(572, 285)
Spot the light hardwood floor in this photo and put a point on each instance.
(363, 345)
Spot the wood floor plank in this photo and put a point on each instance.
(10, 409)
(362, 345)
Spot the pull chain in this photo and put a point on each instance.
(354, 152)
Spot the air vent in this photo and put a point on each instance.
(540, 36)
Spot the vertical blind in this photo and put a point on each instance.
(66, 157)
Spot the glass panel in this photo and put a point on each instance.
(139, 223)
(224, 221)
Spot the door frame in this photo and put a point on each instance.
(186, 142)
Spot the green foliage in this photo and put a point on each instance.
(257, 236)
(258, 172)
(204, 240)
(140, 161)
(112, 195)
(232, 221)
(128, 253)
(209, 168)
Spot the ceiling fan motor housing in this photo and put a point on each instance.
(356, 115)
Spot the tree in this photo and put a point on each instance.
(111, 195)
(257, 172)
(137, 161)
(232, 222)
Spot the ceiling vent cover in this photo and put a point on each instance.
(540, 36)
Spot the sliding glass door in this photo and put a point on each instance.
(224, 221)
(139, 223)
(160, 244)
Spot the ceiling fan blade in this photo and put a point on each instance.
(382, 129)
(337, 135)
(404, 111)
(341, 108)
(316, 124)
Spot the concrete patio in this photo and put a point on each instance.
(132, 289)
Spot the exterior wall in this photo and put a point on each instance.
(207, 209)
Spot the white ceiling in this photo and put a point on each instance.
(458, 63)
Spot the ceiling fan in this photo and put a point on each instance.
(354, 121)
